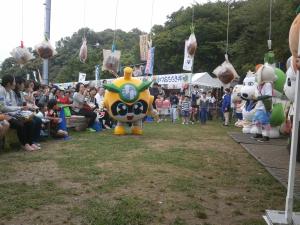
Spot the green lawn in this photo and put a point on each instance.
(172, 175)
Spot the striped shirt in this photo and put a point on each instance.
(185, 105)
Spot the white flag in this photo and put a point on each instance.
(81, 77)
(188, 59)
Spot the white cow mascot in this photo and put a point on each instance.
(249, 93)
(238, 104)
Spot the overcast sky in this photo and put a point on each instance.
(67, 16)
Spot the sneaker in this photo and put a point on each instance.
(28, 148)
(183, 123)
(35, 147)
(91, 130)
(264, 139)
(257, 136)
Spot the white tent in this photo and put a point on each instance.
(205, 79)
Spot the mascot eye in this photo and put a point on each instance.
(138, 108)
(289, 83)
(250, 83)
(122, 109)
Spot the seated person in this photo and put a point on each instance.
(25, 128)
(80, 106)
(57, 130)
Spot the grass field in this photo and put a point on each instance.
(172, 175)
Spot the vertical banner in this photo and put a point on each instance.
(81, 77)
(188, 59)
(97, 75)
(150, 61)
(144, 47)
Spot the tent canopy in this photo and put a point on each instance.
(205, 79)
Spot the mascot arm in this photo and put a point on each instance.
(263, 97)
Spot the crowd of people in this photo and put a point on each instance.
(192, 105)
(35, 110)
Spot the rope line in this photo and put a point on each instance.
(270, 26)
(151, 21)
(116, 15)
(84, 18)
(22, 19)
(227, 35)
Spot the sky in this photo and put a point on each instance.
(68, 16)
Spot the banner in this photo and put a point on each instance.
(81, 77)
(188, 59)
(97, 72)
(144, 47)
(150, 61)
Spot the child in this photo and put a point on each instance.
(55, 122)
(45, 122)
(165, 108)
(204, 101)
(185, 109)
(159, 103)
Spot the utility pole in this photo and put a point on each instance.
(47, 36)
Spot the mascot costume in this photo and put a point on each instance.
(238, 104)
(128, 100)
(269, 113)
(249, 92)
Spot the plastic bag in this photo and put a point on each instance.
(45, 49)
(226, 72)
(192, 44)
(83, 51)
(111, 60)
(21, 54)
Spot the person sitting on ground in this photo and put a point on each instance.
(80, 106)
(56, 130)
(25, 128)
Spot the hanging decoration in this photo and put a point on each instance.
(144, 39)
(226, 72)
(190, 47)
(83, 49)
(294, 35)
(44, 49)
(111, 58)
(21, 54)
(150, 51)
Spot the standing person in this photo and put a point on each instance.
(211, 105)
(159, 107)
(203, 108)
(195, 96)
(104, 119)
(185, 109)
(174, 101)
(161, 91)
(226, 103)
(155, 92)
(79, 105)
(165, 108)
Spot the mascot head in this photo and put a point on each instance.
(128, 99)
(236, 93)
(265, 73)
(290, 83)
(249, 89)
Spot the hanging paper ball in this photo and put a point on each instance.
(294, 36)
(279, 83)
(21, 55)
(226, 76)
(192, 44)
(45, 49)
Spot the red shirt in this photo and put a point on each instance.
(64, 100)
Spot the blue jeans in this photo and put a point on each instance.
(203, 115)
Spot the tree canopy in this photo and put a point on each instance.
(248, 35)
